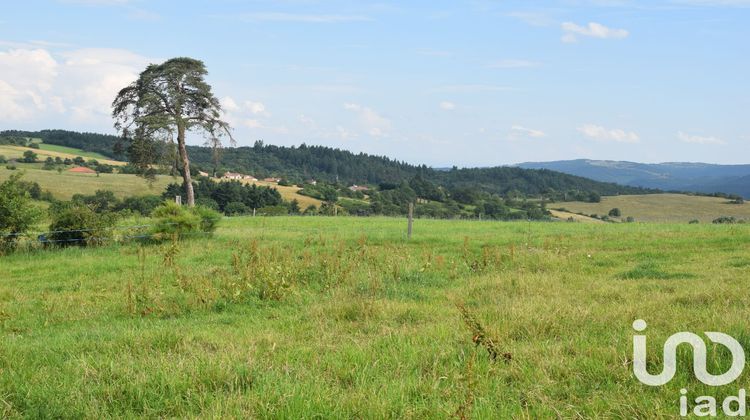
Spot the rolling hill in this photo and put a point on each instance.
(334, 165)
(670, 176)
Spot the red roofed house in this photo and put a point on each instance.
(82, 170)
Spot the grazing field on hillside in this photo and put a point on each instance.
(47, 150)
(63, 185)
(289, 193)
(295, 317)
(662, 207)
(75, 152)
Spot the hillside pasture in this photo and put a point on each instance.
(46, 150)
(65, 184)
(661, 208)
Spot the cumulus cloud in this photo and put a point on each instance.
(519, 131)
(687, 138)
(248, 113)
(79, 83)
(447, 105)
(599, 133)
(571, 32)
(375, 124)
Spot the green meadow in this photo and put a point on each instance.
(302, 317)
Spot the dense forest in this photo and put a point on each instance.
(297, 164)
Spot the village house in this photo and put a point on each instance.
(358, 188)
(250, 178)
(232, 175)
(201, 173)
(272, 180)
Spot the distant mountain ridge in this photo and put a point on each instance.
(669, 176)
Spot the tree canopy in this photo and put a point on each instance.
(167, 101)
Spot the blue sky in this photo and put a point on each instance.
(467, 83)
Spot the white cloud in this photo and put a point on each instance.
(518, 131)
(447, 105)
(512, 64)
(571, 32)
(228, 104)
(687, 138)
(375, 124)
(81, 83)
(599, 133)
(301, 18)
(256, 107)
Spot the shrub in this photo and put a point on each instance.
(75, 223)
(17, 211)
(144, 204)
(3, 159)
(173, 219)
(694, 222)
(236, 208)
(209, 218)
(101, 202)
(11, 167)
(724, 220)
(29, 157)
(630, 219)
(615, 212)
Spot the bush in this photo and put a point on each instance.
(101, 202)
(173, 219)
(29, 157)
(75, 223)
(17, 211)
(694, 222)
(11, 167)
(615, 212)
(236, 208)
(3, 159)
(724, 220)
(144, 204)
(209, 218)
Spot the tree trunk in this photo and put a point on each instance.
(186, 179)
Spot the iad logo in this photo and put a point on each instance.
(699, 357)
(705, 405)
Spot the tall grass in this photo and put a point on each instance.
(343, 317)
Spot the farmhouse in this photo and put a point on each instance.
(201, 173)
(250, 178)
(232, 175)
(82, 170)
(272, 179)
(358, 188)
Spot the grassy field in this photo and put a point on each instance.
(289, 193)
(63, 185)
(662, 207)
(297, 317)
(73, 152)
(48, 150)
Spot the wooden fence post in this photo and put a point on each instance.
(411, 219)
